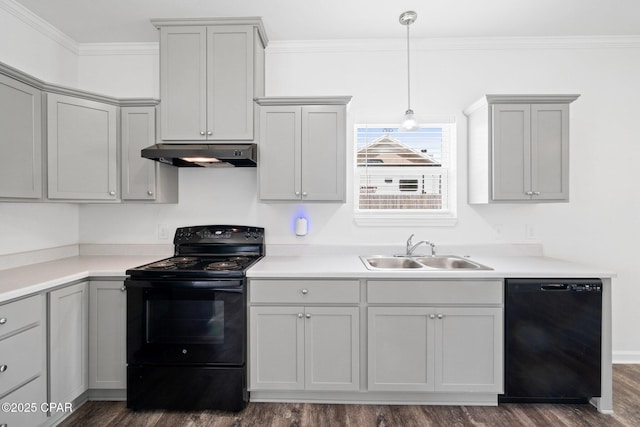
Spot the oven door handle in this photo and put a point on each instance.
(231, 286)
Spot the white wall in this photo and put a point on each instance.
(599, 225)
(31, 226)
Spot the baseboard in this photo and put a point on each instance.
(626, 357)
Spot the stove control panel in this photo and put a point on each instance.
(222, 234)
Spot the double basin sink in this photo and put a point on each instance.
(435, 262)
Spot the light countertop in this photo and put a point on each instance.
(21, 281)
(26, 280)
(350, 266)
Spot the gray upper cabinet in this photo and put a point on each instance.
(82, 149)
(519, 148)
(144, 180)
(21, 141)
(210, 72)
(302, 148)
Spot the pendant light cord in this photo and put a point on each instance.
(408, 71)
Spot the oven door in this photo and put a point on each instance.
(186, 322)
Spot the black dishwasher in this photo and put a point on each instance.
(553, 334)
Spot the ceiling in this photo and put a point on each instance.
(105, 21)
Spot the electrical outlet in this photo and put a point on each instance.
(530, 231)
(163, 232)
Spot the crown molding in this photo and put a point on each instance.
(39, 24)
(483, 43)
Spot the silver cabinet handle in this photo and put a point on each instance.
(150, 193)
(304, 193)
(440, 316)
(297, 193)
(432, 316)
(300, 315)
(209, 133)
(122, 289)
(3, 368)
(308, 316)
(3, 321)
(529, 193)
(536, 193)
(304, 291)
(112, 193)
(202, 132)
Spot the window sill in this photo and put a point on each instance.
(378, 219)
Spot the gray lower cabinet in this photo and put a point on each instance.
(143, 180)
(304, 348)
(68, 342)
(519, 148)
(21, 141)
(444, 349)
(22, 362)
(302, 148)
(435, 335)
(82, 149)
(304, 335)
(107, 334)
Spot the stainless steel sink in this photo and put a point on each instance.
(450, 263)
(437, 262)
(385, 262)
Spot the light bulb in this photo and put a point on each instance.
(409, 123)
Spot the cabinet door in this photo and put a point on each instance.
(82, 145)
(21, 141)
(323, 152)
(400, 350)
(230, 82)
(550, 151)
(511, 136)
(107, 335)
(332, 342)
(279, 153)
(277, 348)
(68, 342)
(469, 356)
(183, 83)
(138, 174)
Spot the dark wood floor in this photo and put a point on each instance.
(626, 400)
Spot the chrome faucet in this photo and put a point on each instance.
(411, 247)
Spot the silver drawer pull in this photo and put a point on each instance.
(308, 316)
(3, 368)
(122, 289)
(440, 316)
(3, 321)
(300, 315)
(304, 291)
(432, 316)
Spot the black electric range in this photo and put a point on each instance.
(186, 321)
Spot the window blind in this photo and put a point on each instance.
(403, 171)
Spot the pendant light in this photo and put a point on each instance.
(409, 123)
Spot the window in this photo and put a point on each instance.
(405, 177)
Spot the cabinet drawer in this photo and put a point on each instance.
(34, 392)
(434, 292)
(305, 291)
(21, 357)
(19, 314)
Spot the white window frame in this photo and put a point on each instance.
(399, 217)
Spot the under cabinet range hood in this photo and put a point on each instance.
(203, 155)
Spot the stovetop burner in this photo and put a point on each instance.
(222, 265)
(207, 252)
